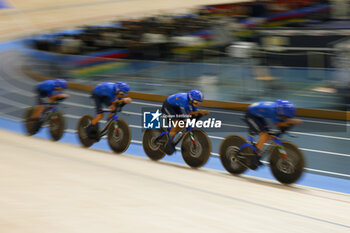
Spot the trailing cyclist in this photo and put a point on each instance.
(280, 112)
(50, 89)
(180, 105)
(110, 94)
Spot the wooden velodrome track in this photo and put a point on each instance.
(53, 187)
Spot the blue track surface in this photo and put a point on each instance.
(308, 179)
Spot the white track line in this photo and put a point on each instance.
(328, 172)
(320, 135)
(12, 102)
(325, 152)
(325, 122)
(70, 92)
(8, 117)
(9, 87)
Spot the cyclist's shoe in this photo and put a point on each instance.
(251, 161)
(92, 132)
(34, 120)
(36, 124)
(169, 148)
(258, 158)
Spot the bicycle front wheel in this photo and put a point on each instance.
(119, 137)
(56, 125)
(196, 153)
(287, 170)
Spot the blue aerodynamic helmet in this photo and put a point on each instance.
(195, 95)
(285, 108)
(122, 86)
(61, 83)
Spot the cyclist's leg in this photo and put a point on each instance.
(92, 128)
(110, 105)
(98, 100)
(171, 112)
(174, 130)
(38, 110)
(263, 138)
(258, 126)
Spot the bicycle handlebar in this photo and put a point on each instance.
(60, 99)
(118, 108)
(198, 116)
(281, 131)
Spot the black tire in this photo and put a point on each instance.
(153, 150)
(227, 151)
(287, 171)
(196, 156)
(56, 125)
(119, 141)
(31, 127)
(83, 137)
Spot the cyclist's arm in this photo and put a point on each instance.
(120, 102)
(125, 100)
(288, 122)
(203, 112)
(59, 96)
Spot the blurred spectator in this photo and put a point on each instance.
(258, 8)
(71, 45)
(163, 36)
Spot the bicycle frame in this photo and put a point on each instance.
(275, 141)
(179, 135)
(48, 108)
(113, 119)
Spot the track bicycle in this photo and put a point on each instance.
(195, 145)
(50, 115)
(116, 129)
(285, 158)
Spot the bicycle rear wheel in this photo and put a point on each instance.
(31, 126)
(153, 147)
(84, 121)
(228, 149)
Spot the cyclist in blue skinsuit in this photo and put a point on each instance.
(181, 104)
(51, 89)
(280, 112)
(109, 94)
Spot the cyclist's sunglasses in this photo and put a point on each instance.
(121, 93)
(195, 102)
